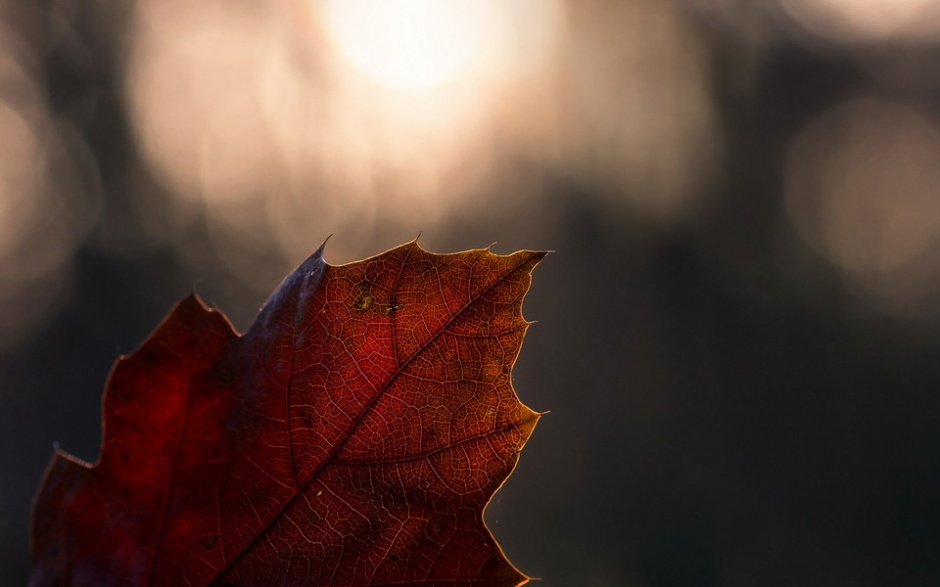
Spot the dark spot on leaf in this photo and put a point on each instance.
(364, 302)
(209, 542)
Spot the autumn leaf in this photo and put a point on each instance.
(352, 436)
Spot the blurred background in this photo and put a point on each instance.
(739, 333)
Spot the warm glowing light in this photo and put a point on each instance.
(48, 196)
(410, 43)
(862, 184)
(642, 125)
(868, 20)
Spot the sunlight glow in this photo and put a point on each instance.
(868, 20)
(410, 43)
(862, 183)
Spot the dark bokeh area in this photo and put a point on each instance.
(738, 333)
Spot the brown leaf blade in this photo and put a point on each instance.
(352, 436)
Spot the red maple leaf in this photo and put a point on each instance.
(351, 437)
